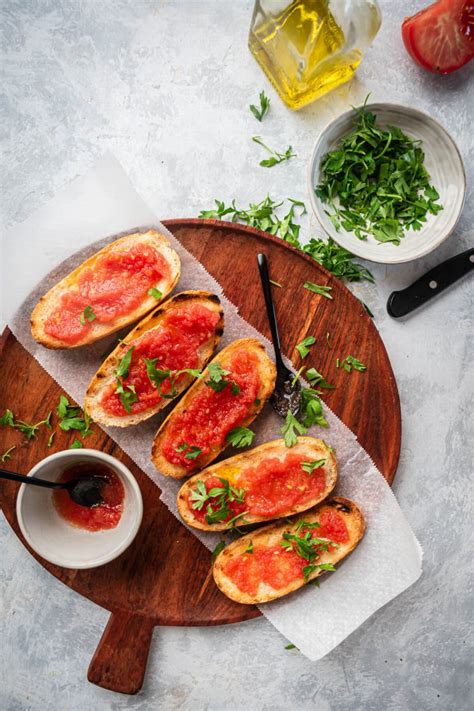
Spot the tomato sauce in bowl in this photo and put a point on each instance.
(114, 285)
(175, 343)
(96, 518)
(211, 415)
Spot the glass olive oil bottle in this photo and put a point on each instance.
(308, 47)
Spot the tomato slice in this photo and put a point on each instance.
(440, 38)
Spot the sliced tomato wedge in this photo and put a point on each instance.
(440, 38)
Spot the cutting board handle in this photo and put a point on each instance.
(120, 660)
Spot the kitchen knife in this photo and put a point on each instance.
(401, 303)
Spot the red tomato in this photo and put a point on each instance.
(440, 38)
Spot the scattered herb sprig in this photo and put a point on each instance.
(7, 454)
(240, 437)
(318, 289)
(308, 548)
(304, 346)
(8, 420)
(72, 418)
(260, 112)
(217, 500)
(275, 156)
(380, 181)
(337, 260)
(351, 363)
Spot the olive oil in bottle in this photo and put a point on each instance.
(308, 47)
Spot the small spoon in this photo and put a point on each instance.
(286, 396)
(85, 490)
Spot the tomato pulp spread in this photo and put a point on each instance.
(96, 518)
(112, 286)
(268, 489)
(277, 566)
(211, 415)
(175, 343)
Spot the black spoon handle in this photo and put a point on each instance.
(30, 480)
(267, 293)
(401, 303)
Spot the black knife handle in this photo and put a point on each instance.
(401, 303)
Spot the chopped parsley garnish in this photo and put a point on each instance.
(337, 260)
(249, 548)
(7, 454)
(8, 420)
(127, 395)
(309, 467)
(157, 377)
(291, 646)
(124, 365)
(264, 216)
(193, 453)
(275, 156)
(318, 289)
(350, 363)
(240, 437)
(72, 418)
(217, 379)
(288, 429)
(217, 501)
(379, 178)
(77, 444)
(308, 548)
(312, 409)
(51, 439)
(316, 378)
(303, 347)
(260, 112)
(87, 315)
(219, 547)
(156, 293)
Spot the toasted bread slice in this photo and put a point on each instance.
(250, 347)
(271, 536)
(51, 302)
(106, 375)
(238, 471)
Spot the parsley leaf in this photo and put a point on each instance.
(124, 365)
(303, 347)
(318, 289)
(240, 437)
(193, 453)
(316, 378)
(249, 548)
(156, 293)
(219, 547)
(275, 157)
(72, 418)
(7, 454)
(217, 379)
(259, 113)
(288, 429)
(351, 363)
(312, 408)
(309, 467)
(87, 315)
(8, 420)
(291, 646)
(217, 501)
(77, 444)
(337, 260)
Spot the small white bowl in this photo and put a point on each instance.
(55, 539)
(444, 165)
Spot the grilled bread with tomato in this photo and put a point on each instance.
(229, 395)
(155, 361)
(110, 290)
(267, 482)
(278, 559)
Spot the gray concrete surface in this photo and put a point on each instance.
(166, 86)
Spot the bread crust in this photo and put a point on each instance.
(267, 373)
(310, 447)
(106, 373)
(48, 303)
(272, 535)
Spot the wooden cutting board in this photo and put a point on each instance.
(164, 578)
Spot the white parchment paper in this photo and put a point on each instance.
(91, 212)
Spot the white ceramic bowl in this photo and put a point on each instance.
(443, 162)
(58, 541)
